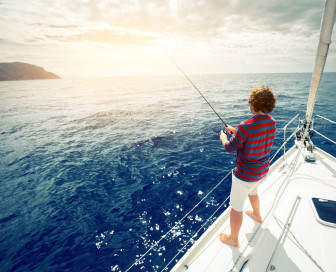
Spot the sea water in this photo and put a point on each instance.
(94, 171)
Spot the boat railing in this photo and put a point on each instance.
(285, 130)
(320, 134)
(326, 119)
(286, 140)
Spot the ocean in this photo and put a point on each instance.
(94, 171)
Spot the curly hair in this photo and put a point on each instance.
(262, 99)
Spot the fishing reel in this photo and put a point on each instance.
(225, 132)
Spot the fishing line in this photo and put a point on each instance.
(192, 83)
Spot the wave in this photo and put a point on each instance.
(105, 115)
(8, 218)
(156, 141)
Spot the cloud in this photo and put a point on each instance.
(56, 26)
(207, 35)
(211, 18)
(189, 20)
(115, 37)
(105, 36)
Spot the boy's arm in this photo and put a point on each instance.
(237, 140)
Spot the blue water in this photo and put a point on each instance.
(94, 171)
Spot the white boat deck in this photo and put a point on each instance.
(309, 246)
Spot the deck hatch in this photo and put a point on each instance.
(325, 211)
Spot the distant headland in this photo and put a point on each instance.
(24, 71)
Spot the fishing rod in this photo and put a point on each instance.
(193, 84)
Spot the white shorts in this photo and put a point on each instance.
(240, 190)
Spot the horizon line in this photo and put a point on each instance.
(191, 74)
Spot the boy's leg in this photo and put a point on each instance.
(238, 196)
(236, 220)
(255, 203)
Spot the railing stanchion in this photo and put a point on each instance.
(285, 128)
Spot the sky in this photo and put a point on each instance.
(102, 38)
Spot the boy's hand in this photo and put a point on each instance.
(231, 130)
(223, 136)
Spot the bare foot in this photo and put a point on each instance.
(256, 218)
(227, 239)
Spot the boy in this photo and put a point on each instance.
(252, 142)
